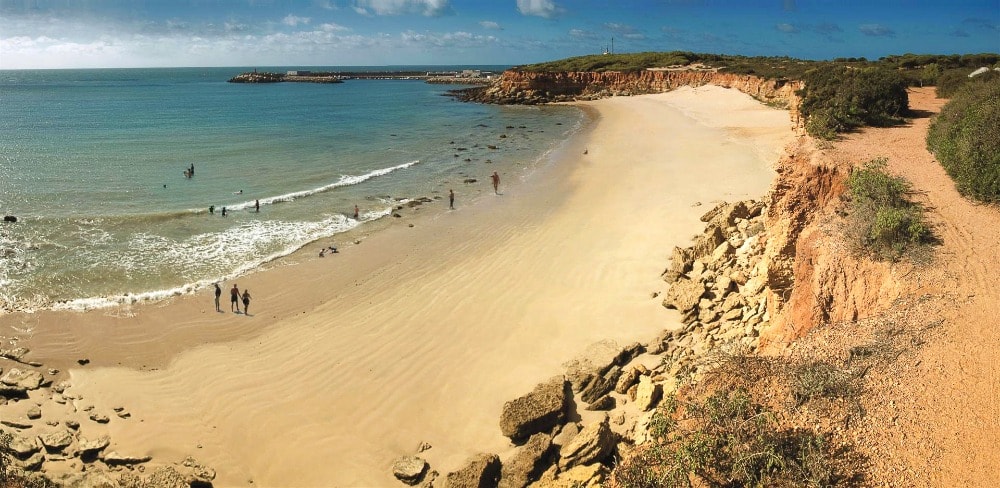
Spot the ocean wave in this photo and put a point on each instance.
(215, 247)
(345, 180)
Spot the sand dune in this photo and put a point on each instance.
(421, 334)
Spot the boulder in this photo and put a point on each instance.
(707, 242)
(683, 295)
(34, 413)
(680, 263)
(606, 402)
(592, 445)
(56, 441)
(626, 380)
(591, 476)
(22, 447)
(600, 385)
(19, 382)
(115, 458)
(528, 463)
(15, 354)
(647, 394)
(17, 424)
(597, 359)
(409, 469)
(93, 445)
(538, 411)
(33, 463)
(196, 474)
(482, 471)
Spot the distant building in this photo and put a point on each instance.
(299, 73)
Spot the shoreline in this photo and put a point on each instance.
(424, 331)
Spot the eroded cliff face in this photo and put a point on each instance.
(523, 87)
(810, 276)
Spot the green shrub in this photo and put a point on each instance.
(841, 98)
(965, 137)
(727, 440)
(883, 220)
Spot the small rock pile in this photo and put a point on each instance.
(718, 285)
(73, 452)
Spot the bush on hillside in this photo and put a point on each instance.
(951, 81)
(840, 98)
(965, 137)
(883, 221)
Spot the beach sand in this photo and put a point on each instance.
(418, 334)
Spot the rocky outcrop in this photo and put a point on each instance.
(528, 464)
(409, 469)
(530, 88)
(67, 453)
(482, 471)
(538, 411)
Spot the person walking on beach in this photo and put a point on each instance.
(496, 182)
(234, 299)
(451, 199)
(218, 293)
(246, 302)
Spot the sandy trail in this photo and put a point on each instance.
(421, 334)
(953, 400)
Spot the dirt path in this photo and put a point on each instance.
(946, 427)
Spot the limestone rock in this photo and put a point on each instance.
(33, 463)
(115, 458)
(196, 474)
(17, 424)
(528, 463)
(409, 469)
(56, 441)
(23, 447)
(683, 295)
(626, 380)
(94, 445)
(647, 394)
(597, 359)
(16, 354)
(592, 445)
(600, 385)
(34, 413)
(482, 471)
(99, 418)
(18, 382)
(538, 411)
(606, 402)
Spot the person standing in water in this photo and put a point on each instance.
(355, 212)
(234, 299)
(218, 293)
(256, 206)
(192, 170)
(246, 302)
(496, 183)
(223, 211)
(211, 209)
(451, 199)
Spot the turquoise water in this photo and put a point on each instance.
(92, 161)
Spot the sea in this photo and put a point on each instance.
(92, 165)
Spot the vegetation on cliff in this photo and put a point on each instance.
(965, 138)
(882, 219)
(736, 429)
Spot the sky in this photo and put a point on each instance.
(174, 33)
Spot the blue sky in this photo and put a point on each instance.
(149, 33)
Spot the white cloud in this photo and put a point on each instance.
(447, 39)
(489, 24)
(540, 8)
(429, 8)
(583, 34)
(787, 28)
(331, 27)
(294, 20)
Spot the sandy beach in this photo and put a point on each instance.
(417, 334)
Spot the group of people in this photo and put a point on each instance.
(188, 173)
(235, 297)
